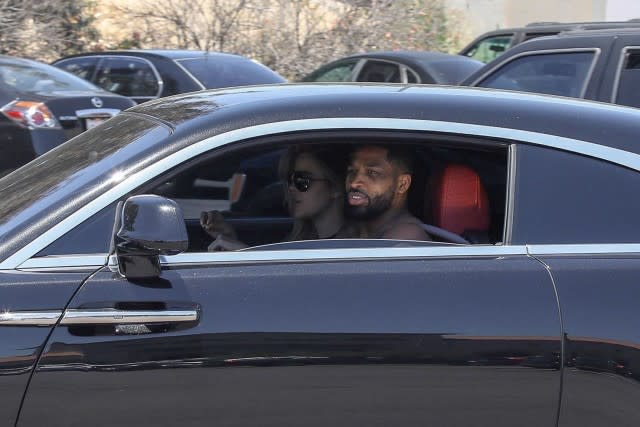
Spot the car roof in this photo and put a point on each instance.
(165, 53)
(445, 68)
(230, 108)
(537, 27)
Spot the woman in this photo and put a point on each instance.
(315, 198)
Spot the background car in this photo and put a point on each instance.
(148, 74)
(113, 312)
(601, 65)
(42, 106)
(492, 44)
(397, 67)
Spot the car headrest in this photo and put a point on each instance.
(459, 201)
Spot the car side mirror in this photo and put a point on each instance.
(150, 226)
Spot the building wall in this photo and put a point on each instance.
(480, 16)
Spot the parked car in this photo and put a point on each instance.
(42, 106)
(599, 65)
(397, 67)
(148, 74)
(492, 44)
(112, 312)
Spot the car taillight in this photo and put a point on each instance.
(30, 114)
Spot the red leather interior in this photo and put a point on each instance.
(459, 201)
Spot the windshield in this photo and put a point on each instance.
(35, 77)
(227, 71)
(55, 184)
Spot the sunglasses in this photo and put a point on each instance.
(301, 180)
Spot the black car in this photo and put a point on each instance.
(112, 312)
(148, 74)
(490, 45)
(397, 67)
(601, 65)
(42, 106)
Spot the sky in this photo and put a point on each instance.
(622, 10)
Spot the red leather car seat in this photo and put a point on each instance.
(459, 203)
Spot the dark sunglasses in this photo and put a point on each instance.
(301, 181)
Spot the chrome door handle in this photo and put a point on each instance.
(112, 316)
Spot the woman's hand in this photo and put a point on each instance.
(223, 243)
(214, 224)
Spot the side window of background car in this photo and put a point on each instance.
(128, 77)
(338, 73)
(562, 74)
(563, 198)
(488, 49)
(81, 67)
(380, 71)
(628, 91)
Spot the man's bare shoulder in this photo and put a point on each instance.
(406, 231)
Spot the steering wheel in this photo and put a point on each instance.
(445, 235)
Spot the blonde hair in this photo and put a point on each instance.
(334, 164)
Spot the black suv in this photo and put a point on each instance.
(492, 44)
(601, 65)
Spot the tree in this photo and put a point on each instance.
(46, 29)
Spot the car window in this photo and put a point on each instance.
(83, 67)
(248, 187)
(486, 50)
(380, 71)
(337, 73)
(562, 74)
(628, 92)
(128, 77)
(567, 198)
(227, 71)
(35, 77)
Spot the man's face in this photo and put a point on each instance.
(371, 183)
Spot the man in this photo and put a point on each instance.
(377, 184)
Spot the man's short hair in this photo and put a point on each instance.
(402, 157)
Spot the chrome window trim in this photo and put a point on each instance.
(507, 229)
(30, 318)
(587, 79)
(621, 62)
(350, 254)
(133, 181)
(65, 262)
(584, 249)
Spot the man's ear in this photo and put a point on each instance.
(404, 183)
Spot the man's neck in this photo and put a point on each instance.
(377, 225)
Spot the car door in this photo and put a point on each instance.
(29, 308)
(357, 335)
(587, 235)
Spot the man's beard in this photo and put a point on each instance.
(376, 206)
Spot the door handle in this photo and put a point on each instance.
(112, 316)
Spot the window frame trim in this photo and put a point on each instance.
(130, 183)
(585, 85)
(616, 81)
